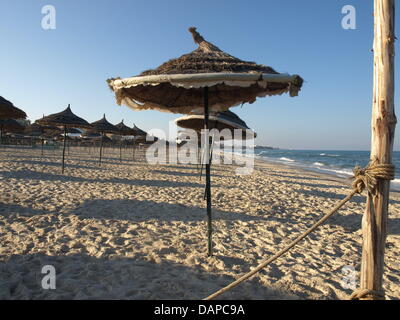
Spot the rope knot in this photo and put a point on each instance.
(367, 178)
(367, 294)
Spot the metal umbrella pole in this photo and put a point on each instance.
(101, 147)
(63, 154)
(120, 151)
(208, 172)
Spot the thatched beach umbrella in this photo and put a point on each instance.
(39, 131)
(103, 126)
(226, 120)
(9, 111)
(9, 125)
(206, 77)
(124, 130)
(34, 130)
(137, 132)
(220, 121)
(139, 137)
(67, 119)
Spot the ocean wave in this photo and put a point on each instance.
(329, 155)
(319, 164)
(286, 159)
(395, 184)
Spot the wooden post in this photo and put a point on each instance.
(383, 124)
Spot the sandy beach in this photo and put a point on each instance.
(130, 230)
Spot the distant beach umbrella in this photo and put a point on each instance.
(207, 79)
(34, 130)
(9, 111)
(137, 132)
(226, 120)
(67, 119)
(139, 138)
(103, 126)
(10, 125)
(124, 130)
(220, 121)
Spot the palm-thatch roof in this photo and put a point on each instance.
(124, 130)
(176, 86)
(9, 111)
(53, 134)
(220, 121)
(11, 125)
(137, 132)
(64, 118)
(36, 129)
(104, 126)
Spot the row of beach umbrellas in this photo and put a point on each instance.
(203, 85)
(67, 119)
(49, 126)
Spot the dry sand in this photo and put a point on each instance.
(134, 231)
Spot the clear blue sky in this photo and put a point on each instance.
(44, 70)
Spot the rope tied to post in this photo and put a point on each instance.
(366, 178)
(367, 294)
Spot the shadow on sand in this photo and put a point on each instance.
(134, 211)
(80, 276)
(29, 174)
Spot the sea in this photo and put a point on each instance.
(333, 162)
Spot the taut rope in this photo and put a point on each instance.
(366, 178)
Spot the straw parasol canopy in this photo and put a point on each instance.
(179, 82)
(104, 126)
(140, 135)
(34, 130)
(138, 132)
(65, 118)
(124, 130)
(11, 125)
(220, 121)
(9, 111)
